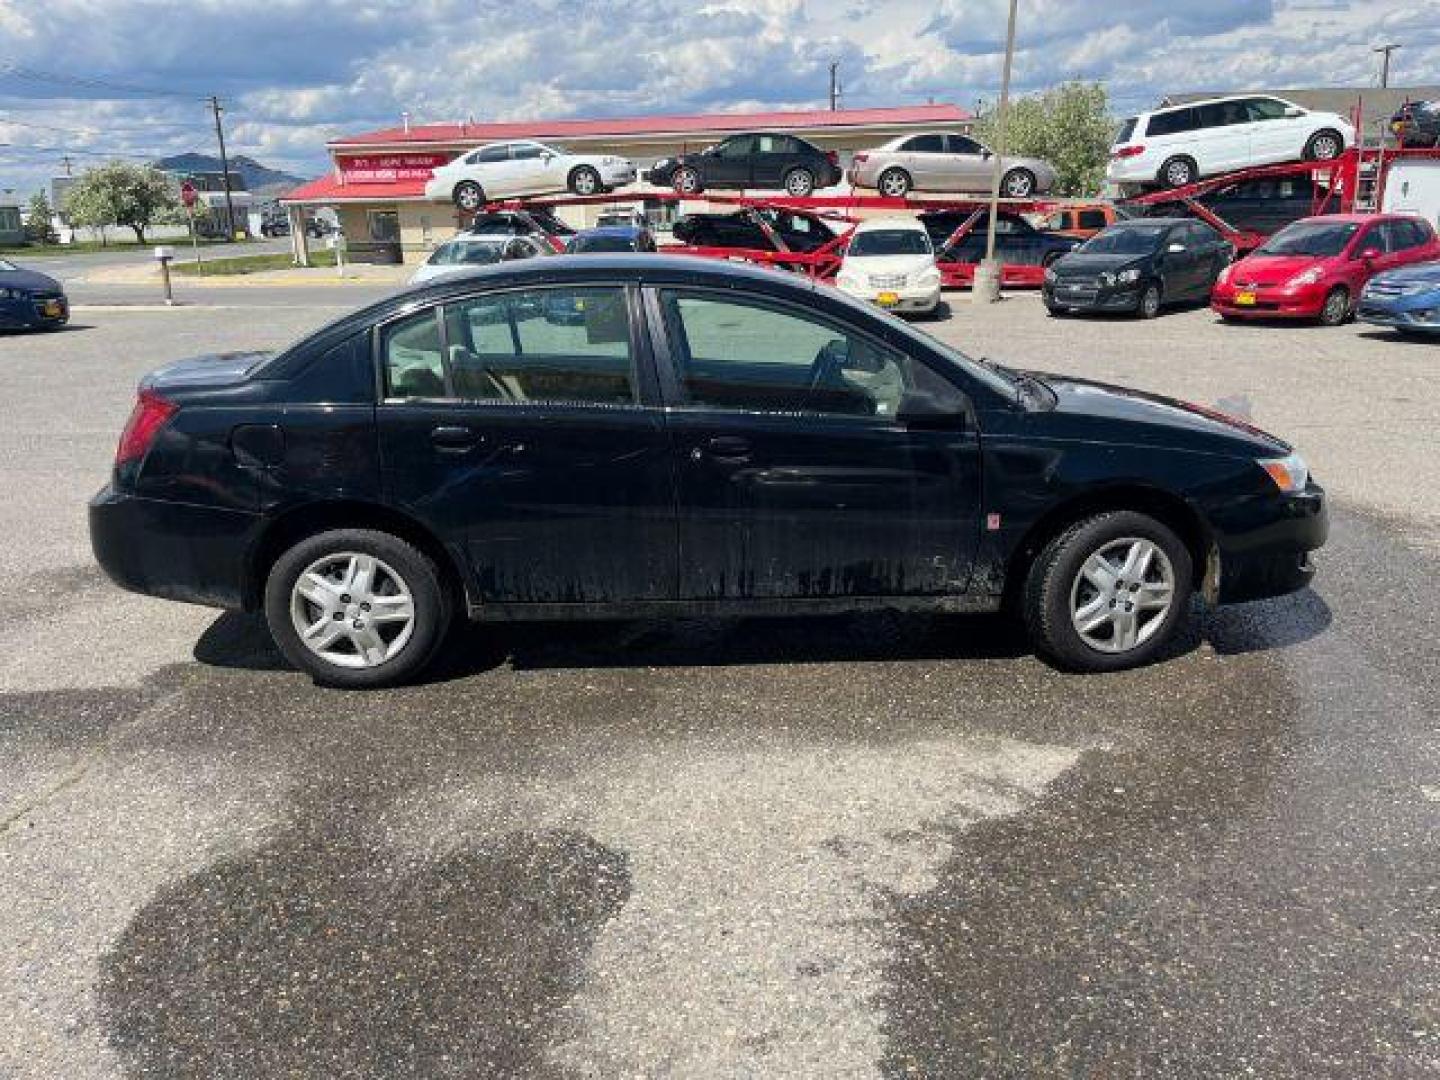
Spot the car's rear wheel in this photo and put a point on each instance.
(799, 183)
(357, 608)
(1108, 593)
(1336, 308)
(1178, 172)
(686, 180)
(469, 196)
(585, 181)
(895, 183)
(1326, 144)
(1018, 184)
(1149, 304)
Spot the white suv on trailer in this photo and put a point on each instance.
(506, 169)
(1177, 146)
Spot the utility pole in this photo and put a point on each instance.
(989, 289)
(65, 160)
(224, 171)
(834, 85)
(1385, 51)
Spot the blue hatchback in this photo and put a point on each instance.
(30, 300)
(1407, 299)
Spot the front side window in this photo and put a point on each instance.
(960, 144)
(924, 144)
(526, 151)
(745, 355)
(498, 152)
(1265, 109)
(740, 146)
(1223, 114)
(567, 345)
(413, 357)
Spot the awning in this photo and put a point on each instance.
(327, 190)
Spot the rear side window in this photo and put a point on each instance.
(1172, 123)
(960, 144)
(1126, 130)
(566, 345)
(1222, 114)
(414, 359)
(924, 144)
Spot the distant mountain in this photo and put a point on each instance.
(259, 179)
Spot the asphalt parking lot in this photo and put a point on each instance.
(848, 847)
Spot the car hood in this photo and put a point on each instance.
(28, 279)
(1272, 269)
(887, 264)
(1103, 413)
(1080, 262)
(1419, 274)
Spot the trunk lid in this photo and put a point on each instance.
(206, 372)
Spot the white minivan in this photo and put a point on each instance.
(1177, 146)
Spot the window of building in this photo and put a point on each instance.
(9, 219)
(384, 226)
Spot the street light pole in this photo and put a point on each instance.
(986, 286)
(1385, 51)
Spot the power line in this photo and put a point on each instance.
(88, 82)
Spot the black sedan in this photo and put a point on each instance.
(755, 229)
(1138, 266)
(702, 438)
(30, 300)
(1017, 242)
(752, 160)
(608, 239)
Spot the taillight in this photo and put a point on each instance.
(833, 157)
(150, 414)
(1128, 151)
(860, 159)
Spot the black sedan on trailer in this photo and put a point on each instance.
(1138, 266)
(30, 300)
(635, 435)
(771, 160)
(1017, 242)
(755, 229)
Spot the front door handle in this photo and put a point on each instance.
(723, 448)
(455, 437)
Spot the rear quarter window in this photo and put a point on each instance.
(1127, 129)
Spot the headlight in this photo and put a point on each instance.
(1107, 278)
(1125, 277)
(1306, 277)
(1289, 473)
(929, 276)
(13, 294)
(847, 281)
(1050, 274)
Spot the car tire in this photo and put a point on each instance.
(1055, 311)
(1018, 184)
(799, 183)
(1077, 591)
(686, 181)
(1336, 308)
(585, 180)
(894, 183)
(1148, 306)
(469, 196)
(396, 571)
(1327, 144)
(1178, 172)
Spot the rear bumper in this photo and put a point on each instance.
(1275, 557)
(197, 554)
(32, 314)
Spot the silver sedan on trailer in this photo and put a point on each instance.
(946, 162)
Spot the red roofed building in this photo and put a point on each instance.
(377, 185)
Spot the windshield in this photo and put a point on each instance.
(890, 242)
(1310, 238)
(467, 253)
(582, 244)
(1131, 240)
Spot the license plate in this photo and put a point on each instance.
(888, 299)
(52, 309)
(1245, 299)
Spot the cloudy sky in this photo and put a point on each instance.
(129, 77)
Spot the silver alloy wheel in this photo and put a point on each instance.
(1177, 173)
(468, 197)
(1122, 595)
(1150, 302)
(687, 181)
(895, 184)
(586, 181)
(1325, 147)
(1336, 304)
(799, 183)
(352, 610)
(1019, 184)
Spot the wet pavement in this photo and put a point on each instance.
(859, 846)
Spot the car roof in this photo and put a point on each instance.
(910, 224)
(1216, 100)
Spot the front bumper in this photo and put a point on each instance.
(1417, 313)
(34, 313)
(1270, 302)
(1274, 556)
(912, 298)
(178, 551)
(1102, 298)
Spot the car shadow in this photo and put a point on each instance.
(15, 331)
(1398, 338)
(243, 641)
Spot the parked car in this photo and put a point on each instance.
(1180, 145)
(30, 300)
(1407, 300)
(751, 160)
(891, 262)
(738, 440)
(506, 169)
(1017, 242)
(1081, 222)
(611, 238)
(942, 161)
(465, 252)
(1417, 123)
(622, 216)
(1262, 205)
(1138, 266)
(1316, 268)
(751, 228)
(535, 221)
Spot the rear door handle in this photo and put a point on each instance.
(723, 448)
(455, 437)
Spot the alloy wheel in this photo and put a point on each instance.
(468, 197)
(1177, 173)
(799, 183)
(1122, 595)
(895, 184)
(1019, 184)
(1325, 148)
(586, 182)
(687, 181)
(1336, 305)
(352, 610)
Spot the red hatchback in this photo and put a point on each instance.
(1315, 268)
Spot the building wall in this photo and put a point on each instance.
(12, 223)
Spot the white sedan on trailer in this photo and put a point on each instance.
(507, 169)
(891, 262)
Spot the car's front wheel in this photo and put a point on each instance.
(1108, 593)
(1149, 304)
(585, 181)
(686, 180)
(1325, 145)
(799, 183)
(895, 183)
(356, 608)
(1018, 184)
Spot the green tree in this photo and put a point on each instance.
(39, 219)
(1069, 126)
(134, 196)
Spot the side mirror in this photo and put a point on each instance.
(986, 153)
(921, 410)
(546, 155)
(1293, 111)
(1176, 248)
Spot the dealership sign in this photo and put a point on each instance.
(388, 168)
